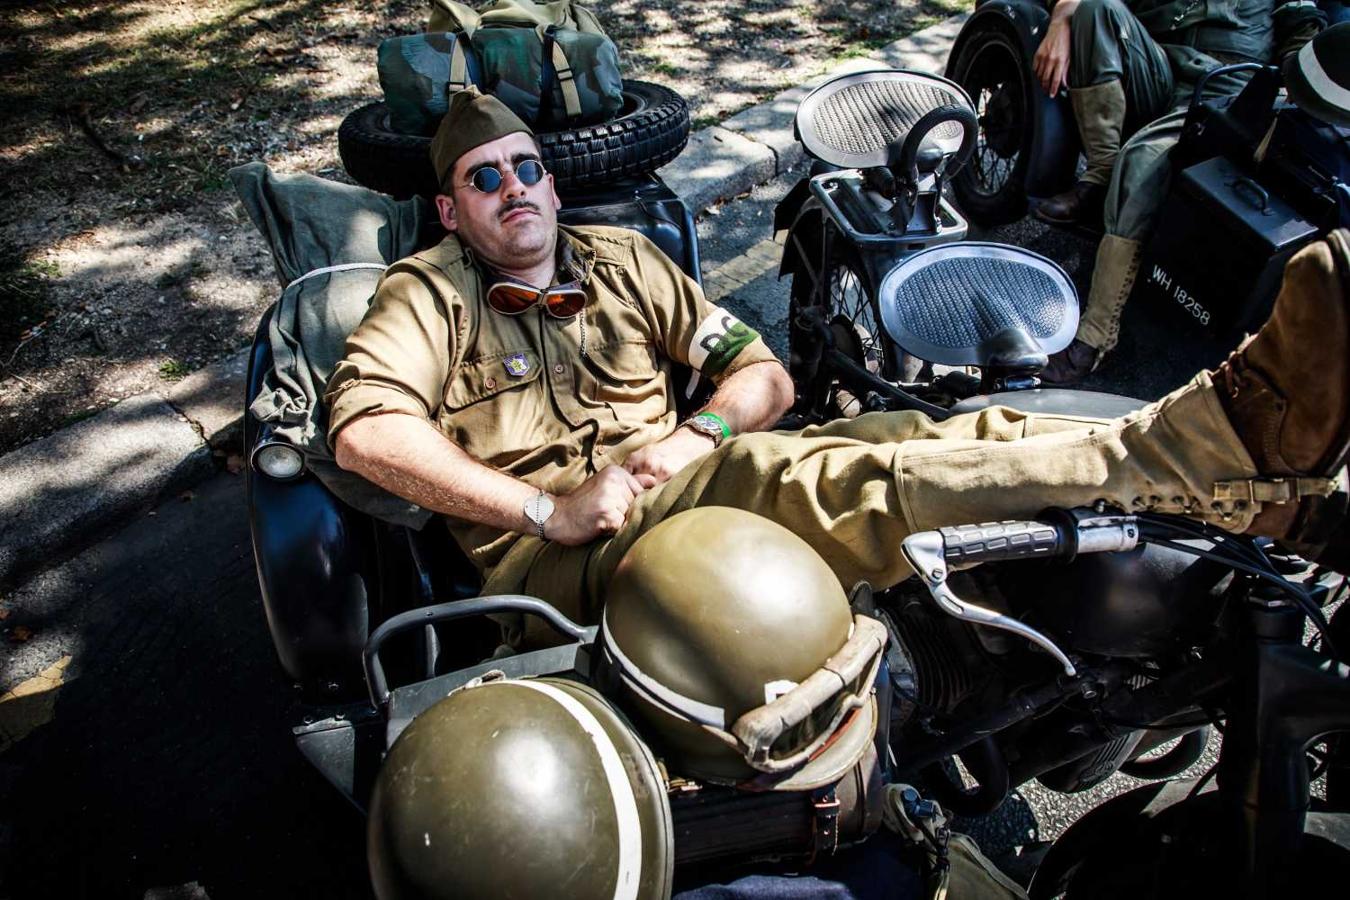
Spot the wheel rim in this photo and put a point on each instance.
(849, 303)
(995, 82)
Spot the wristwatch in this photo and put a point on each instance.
(710, 424)
(537, 509)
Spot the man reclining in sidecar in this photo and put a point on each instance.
(514, 379)
(541, 420)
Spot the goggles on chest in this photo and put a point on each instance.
(512, 298)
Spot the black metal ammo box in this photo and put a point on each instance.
(1219, 251)
(1254, 179)
(330, 574)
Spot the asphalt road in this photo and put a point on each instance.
(169, 771)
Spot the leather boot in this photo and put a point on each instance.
(1099, 111)
(1286, 391)
(1081, 203)
(1070, 365)
(1113, 275)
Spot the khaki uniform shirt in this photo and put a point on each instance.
(546, 400)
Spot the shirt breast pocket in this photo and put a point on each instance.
(493, 406)
(624, 372)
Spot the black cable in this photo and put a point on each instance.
(1211, 533)
(1153, 530)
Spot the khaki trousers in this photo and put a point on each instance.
(854, 489)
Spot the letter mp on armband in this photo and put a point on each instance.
(720, 337)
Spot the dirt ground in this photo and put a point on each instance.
(125, 260)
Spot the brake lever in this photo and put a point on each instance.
(1078, 531)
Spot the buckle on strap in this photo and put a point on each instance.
(825, 824)
(1273, 490)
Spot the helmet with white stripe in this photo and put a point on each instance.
(520, 788)
(1318, 76)
(731, 643)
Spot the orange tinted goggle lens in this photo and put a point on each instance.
(511, 299)
(565, 302)
(561, 302)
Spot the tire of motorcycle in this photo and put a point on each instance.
(852, 313)
(651, 129)
(991, 187)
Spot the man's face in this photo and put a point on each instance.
(515, 226)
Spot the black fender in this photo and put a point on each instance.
(316, 563)
(1054, 143)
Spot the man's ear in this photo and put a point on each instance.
(553, 189)
(445, 208)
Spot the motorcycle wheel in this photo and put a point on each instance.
(991, 188)
(855, 322)
(650, 130)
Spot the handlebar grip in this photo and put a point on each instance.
(994, 541)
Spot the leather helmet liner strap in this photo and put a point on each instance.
(847, 677)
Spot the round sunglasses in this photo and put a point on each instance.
(488, 178)
(512, 298)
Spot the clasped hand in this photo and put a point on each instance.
(600, 505)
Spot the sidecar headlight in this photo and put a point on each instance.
(277, 460)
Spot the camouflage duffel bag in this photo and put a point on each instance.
(551, 77)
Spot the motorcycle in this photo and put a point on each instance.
(1063, 650)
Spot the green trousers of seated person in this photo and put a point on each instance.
(854, 489)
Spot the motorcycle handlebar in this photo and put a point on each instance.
(1061, 533)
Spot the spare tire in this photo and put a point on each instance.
(651, 129)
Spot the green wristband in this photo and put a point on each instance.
(726, 429)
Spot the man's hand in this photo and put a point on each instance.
(1051, 61)
(668, 455)
(599, 506)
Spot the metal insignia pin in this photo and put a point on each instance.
(517, 364)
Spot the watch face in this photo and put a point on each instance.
(538, 509)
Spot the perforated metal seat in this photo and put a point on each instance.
(850, 121)
(957, 304)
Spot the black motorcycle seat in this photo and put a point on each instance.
(851, 120)
(978, 304)
(1057, 402)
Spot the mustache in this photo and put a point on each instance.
(512, 205)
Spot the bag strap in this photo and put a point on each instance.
(459, 67)
(563, 69)
(464, 17)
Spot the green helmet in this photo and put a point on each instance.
(732, 643)
(520, 788)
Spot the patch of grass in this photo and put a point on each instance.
(704, 122)
(661, 67)
(25, 292)
(174, 370)
(78, 417)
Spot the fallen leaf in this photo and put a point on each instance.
(20, 633)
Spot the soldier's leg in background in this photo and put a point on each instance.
(1119, 79)
(1138, 188)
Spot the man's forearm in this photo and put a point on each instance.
(407, 456)
(753, 398)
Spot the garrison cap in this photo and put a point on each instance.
(1318, 76)
(472, 120)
